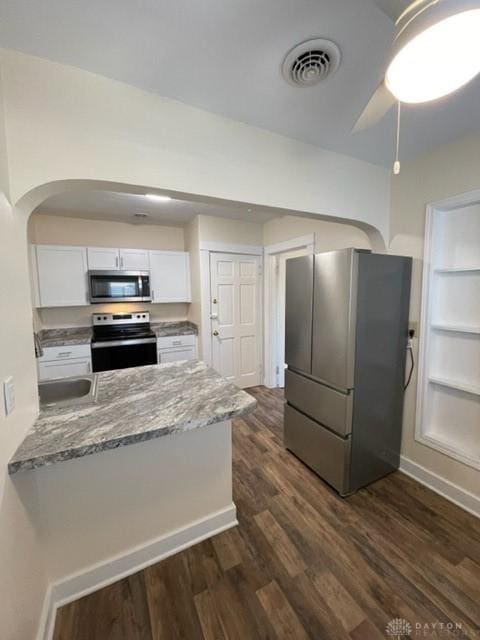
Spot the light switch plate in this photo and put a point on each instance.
(9, 395)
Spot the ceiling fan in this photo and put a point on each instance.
(435, 52)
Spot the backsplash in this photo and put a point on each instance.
(63, 317)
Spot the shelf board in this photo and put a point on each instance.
(456, 328)
(452, 384)
(450, 449)
(458, 270)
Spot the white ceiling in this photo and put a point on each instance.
(121, 207)
(225, 56)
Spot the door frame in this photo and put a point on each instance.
(206, 248)
(270, 303)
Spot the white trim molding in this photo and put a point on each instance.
(227, 247)
(270, 300)
(116, 568)
(459, 496)
(450, 204)
(290, 245)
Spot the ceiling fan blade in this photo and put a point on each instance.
(393, 8)
(379, 104)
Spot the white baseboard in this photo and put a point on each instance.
(464, 499)
(101, 575)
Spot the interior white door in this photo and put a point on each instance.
(281, 265)
(235, 289)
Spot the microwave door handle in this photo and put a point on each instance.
(140, 286)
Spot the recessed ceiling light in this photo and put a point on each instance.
(249, 210)
(157, 197)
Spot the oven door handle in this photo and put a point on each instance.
(123, 343)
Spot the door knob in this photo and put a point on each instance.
(215, 333)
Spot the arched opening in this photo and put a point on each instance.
(89, 214)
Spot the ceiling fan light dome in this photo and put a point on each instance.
(437, 60)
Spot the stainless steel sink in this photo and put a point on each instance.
(66, 391)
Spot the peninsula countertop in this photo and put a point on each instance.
(133, 405)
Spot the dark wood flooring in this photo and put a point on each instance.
(303, 563)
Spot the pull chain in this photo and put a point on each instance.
(396, 165)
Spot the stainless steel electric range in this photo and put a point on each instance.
(122, 340)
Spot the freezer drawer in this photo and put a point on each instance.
(320, 449)
(328, 406)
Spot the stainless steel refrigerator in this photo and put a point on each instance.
(346, 329)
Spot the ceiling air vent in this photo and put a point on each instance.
(311, 62)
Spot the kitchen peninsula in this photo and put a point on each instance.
(143, 472)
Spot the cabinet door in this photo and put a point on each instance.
(134, 259)
(170, 276)
(62, 276)
(103, 258)
(64, 369)
(173, 355)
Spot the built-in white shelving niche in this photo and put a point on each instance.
(448, 404)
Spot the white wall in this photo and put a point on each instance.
(54, 229)
(192, 245)
(64, 123)
(449, 170)
(212, 229)
(49, 229)
(135, 494)
(328, 235)
(22, 570)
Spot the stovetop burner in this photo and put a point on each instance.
(121, 326)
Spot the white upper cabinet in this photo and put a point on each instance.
(110, 259)
(170, 276)
(134, 259)
(103, 258)
(61, 279)
(61, 276)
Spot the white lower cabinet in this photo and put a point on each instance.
(52, 370)
(175, 348)
(174, 355)
(63, 362)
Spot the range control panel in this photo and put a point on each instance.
(139, 317)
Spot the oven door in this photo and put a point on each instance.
(121, 354)
(119, 286)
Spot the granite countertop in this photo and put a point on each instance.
(83, 335)
(133, 405)
(181, 328)
(64, 337)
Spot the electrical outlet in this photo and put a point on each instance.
(413, 326)
(9, 395)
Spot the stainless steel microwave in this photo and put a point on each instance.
(119, 286)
